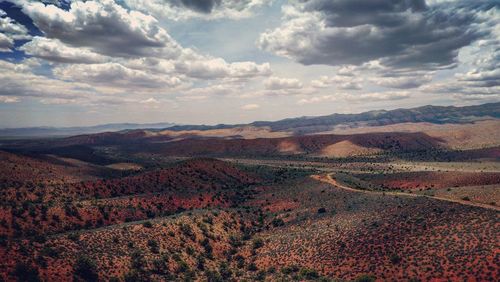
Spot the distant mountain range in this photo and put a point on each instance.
(70, 131)
(297, 126)
(431, 114)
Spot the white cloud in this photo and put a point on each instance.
(9, 99)
(103, 26)
(6, 43)
(339, 81)
(204, 9)
(361, 97)
(10, 31)
(213, 68)
(14, 30)
(250, 107)
(17, 80)
(278, 83)
(56, 51)
(117, 76)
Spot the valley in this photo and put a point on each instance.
(139, 206)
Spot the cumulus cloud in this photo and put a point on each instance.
(6, 43)
(17, 80)
(344, 82)
(277, 83)
(212, 68)
(115, 75)
(103, 26)
(105, 46)
(11, 28)
(207, 9)
(56, 51)
(402, 81)
(399, 33)
(10, 31)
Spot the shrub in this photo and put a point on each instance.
(252, 267)
(257, 243)
(137, 259)
(153, 246)
(277, 222)
(25, 272)
(289, 269)
(187, 230)
(132, 276)
(85, 268)
(365, 278)
(308, 274)
(147, 224)
(321, 210)
(213, 276)
(395, 259)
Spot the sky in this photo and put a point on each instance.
(77, 63)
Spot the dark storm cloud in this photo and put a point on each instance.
(355, 12)
(401, 33)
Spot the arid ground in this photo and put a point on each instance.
(400, 202)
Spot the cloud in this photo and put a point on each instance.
(250, 107)
(17, 80)
(10, 27)
(399, 33)
(278, 83)
(10, 31)
(116, 76)
(481, 78)
(213, 68)
(402, 81)
(55, 51)
(344, 82)
(6, 43)
(361, 97)
(9, 99)
(103, 26)
(317, 99)
(205, 9)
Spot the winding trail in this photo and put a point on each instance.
(327, 178)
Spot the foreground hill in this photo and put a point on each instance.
(293, 229)
(30, 208)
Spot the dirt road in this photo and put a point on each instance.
(327, 178)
